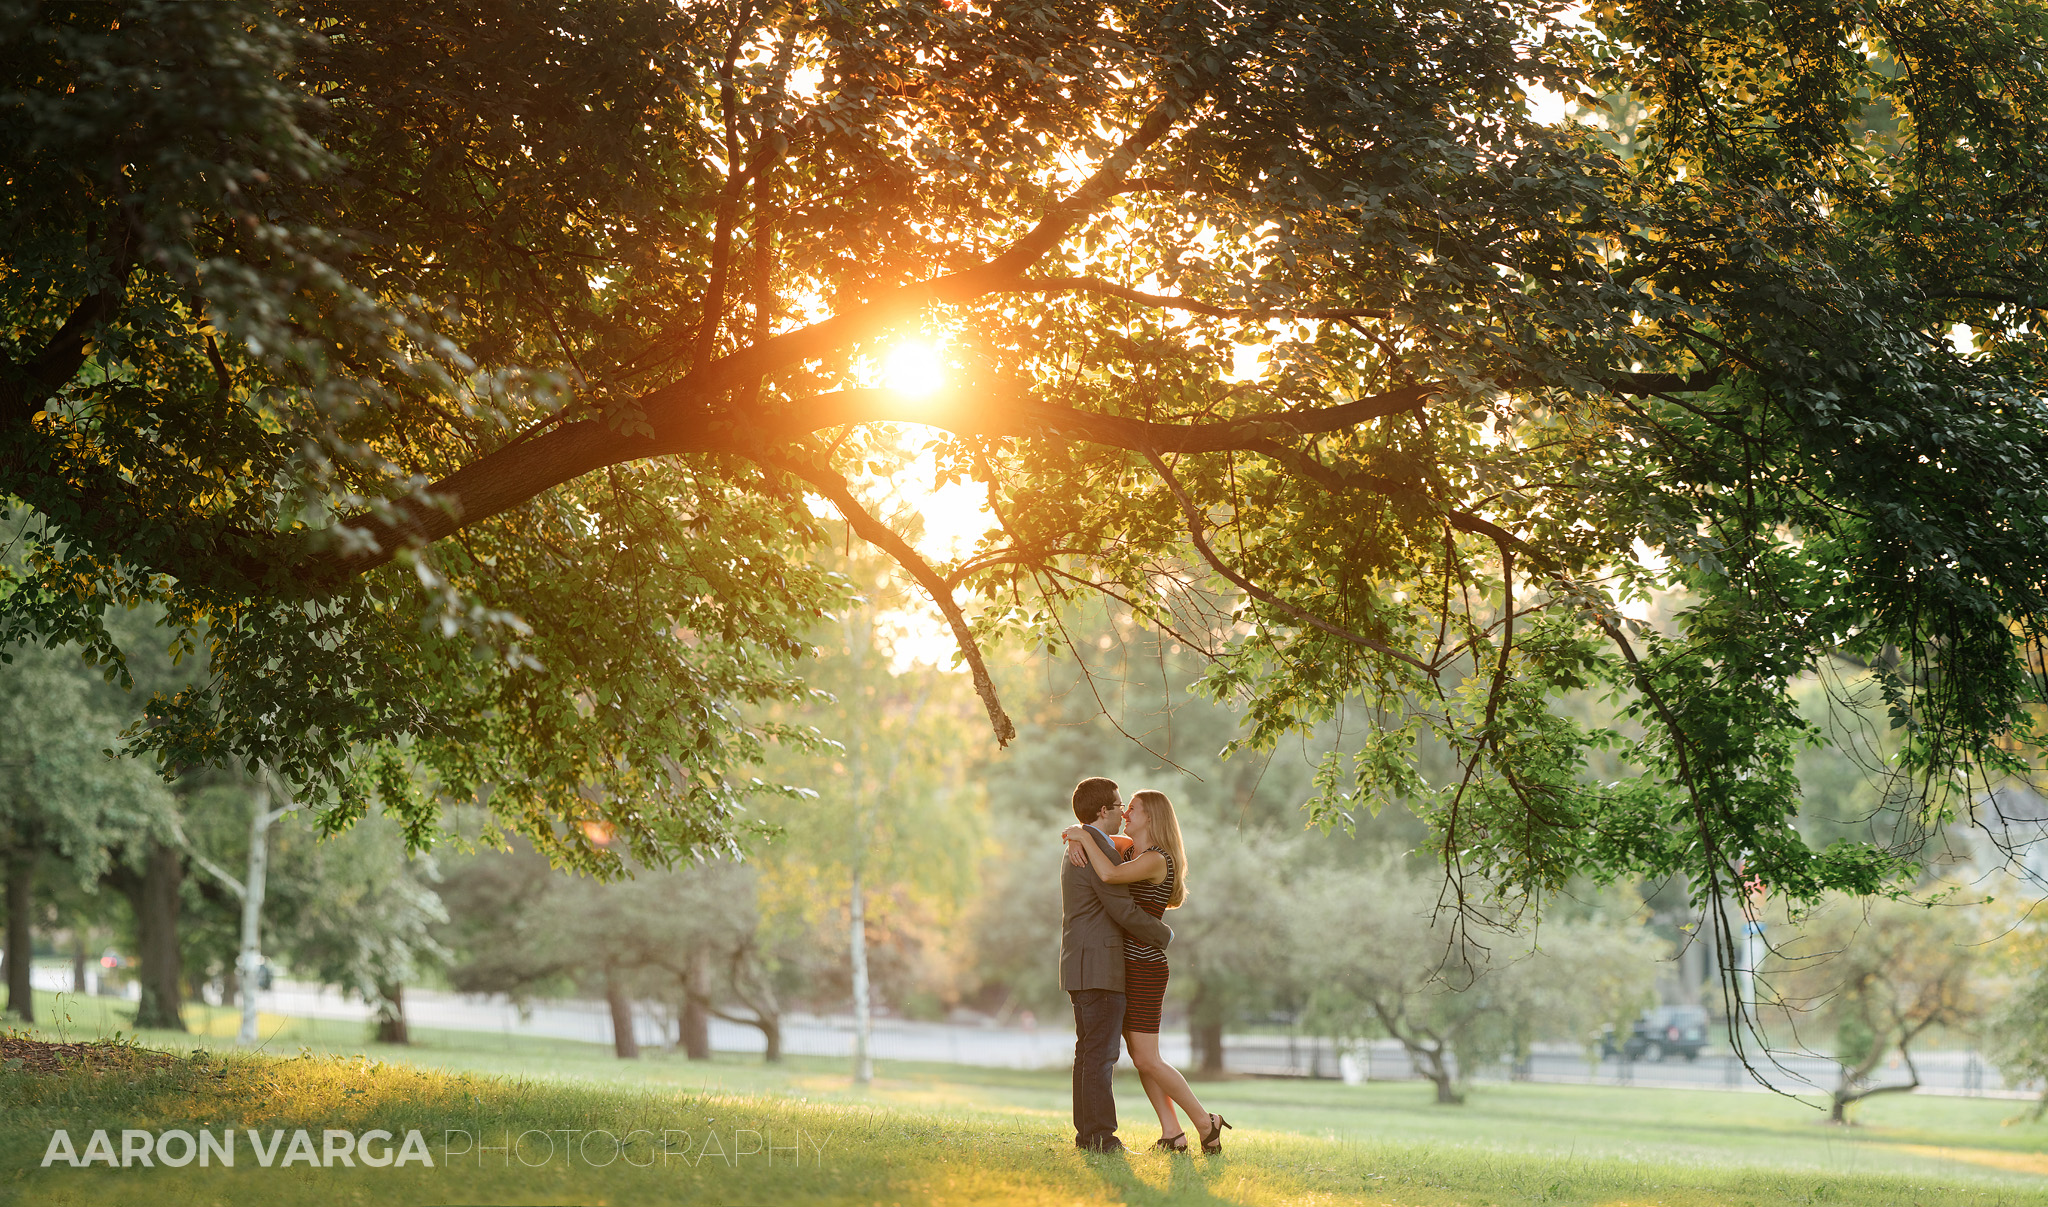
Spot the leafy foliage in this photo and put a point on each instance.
(889, 794)
(354, 911)
(2017, 1034)
(63, 793)
(457, 376)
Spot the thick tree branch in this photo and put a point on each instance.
(2028, 301)
(880, 535)
(1845, 1096)
(25, 387)
(489, 486)
(728, 200)
(230, 881)
(1111, 289)
(1663, 383)
(1014, 412)
(1631, 383)
(690, 415)
(510, 476)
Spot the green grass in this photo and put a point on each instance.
(950, 1134)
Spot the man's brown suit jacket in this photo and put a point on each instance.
(1093, 920)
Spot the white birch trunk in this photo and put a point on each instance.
(863, 1019)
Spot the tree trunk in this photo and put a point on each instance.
(747, 982)
(863, 1019)
(1692, 971)
(1847, 1079)
(1205, 1031)
(391, 1027)
(77, 959)
(255, 882)
(695, 1028)
(1208, 1039)
(1428, 1059)
(1447, 1091)
(623, 1041)
(693, 1021)
(154, 896)
(857, 635)
(21, 883)
(1846, 1094)
(1430, 1063)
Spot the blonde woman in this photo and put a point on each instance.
(1157, 874)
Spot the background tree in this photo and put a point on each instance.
(1229, 949)
(356, 911)
(1880, 974)
(733, 974)
(2016, 1025)
(250, 887)
(72, 810)
(1379, 963)
(890, 831)
(520, 927)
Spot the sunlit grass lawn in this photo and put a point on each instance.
(945, 1134)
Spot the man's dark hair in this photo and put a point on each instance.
(1091, 797)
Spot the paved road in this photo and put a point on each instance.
(1947, 1072)
(802, 1034)
(1943, 1072)
(1953, 1072)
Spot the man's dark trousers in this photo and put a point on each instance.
(1098, 1034)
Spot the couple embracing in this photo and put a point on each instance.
(1114, 891)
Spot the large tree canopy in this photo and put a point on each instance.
(370, 336)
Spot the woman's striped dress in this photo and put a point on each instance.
(1145, 965)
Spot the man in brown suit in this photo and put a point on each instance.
(1093, 919)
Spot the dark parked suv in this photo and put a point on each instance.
(1664, 1031)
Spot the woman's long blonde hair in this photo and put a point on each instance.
(1165, 830)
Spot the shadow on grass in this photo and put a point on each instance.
(1188, 1181)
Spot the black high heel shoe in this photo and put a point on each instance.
(1171, 1144)
(1212, 1140)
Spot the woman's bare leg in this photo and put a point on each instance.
(1153, 1070)
(1162, 1104)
